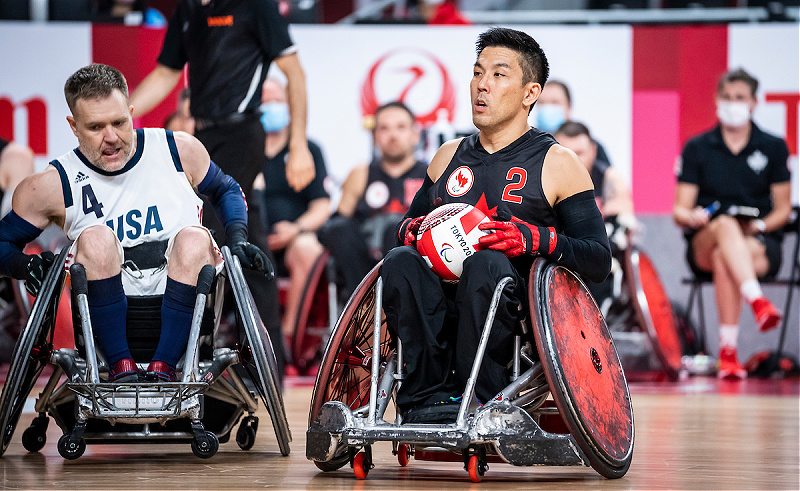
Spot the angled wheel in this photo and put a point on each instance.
(653, 310)
(70, 448)
(31, 351)
(207, 447)
(246, 435)
(361, 465)
(344, 373)
(476, 468)
(257, 343)
(35, 436)
(403, 454)
(582, 367)
(312, 317)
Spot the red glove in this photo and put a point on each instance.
(517, 238)
(407, 234)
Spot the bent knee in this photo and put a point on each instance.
(193, 245)
(98, 246)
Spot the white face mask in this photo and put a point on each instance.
(735, 114)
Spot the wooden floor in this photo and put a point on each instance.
(697, 434)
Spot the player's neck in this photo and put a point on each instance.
(497, 138)
(275, 142)
(399, 167)
(736, 138)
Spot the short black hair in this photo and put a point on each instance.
(564, 87)
(92, 82)
(572, 129)
(531, 57)
(396, 104)
(738, 75)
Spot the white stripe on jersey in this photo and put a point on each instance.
(149, 199)
(252, 89)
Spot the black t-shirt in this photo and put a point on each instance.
(229, 45)
(743, 179)
(281, 201)
(384, 194)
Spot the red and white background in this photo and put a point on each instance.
(643, 91)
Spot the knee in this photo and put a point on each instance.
(192, 246)
(488, 265)
(302, 253)
(727, 226)
(400, 262)
(330, 232)
(98, 247)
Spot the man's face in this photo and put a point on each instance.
(272, 91)
(395, 134)
(104, 128)
(497, 90)
(582, 145)
(554, 94)
(737, 91)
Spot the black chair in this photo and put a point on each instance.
(792, 232)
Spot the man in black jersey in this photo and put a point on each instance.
(735, 163)
(375, 196)
(542, 201)
(229, 46)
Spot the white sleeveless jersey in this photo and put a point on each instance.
(149, 199)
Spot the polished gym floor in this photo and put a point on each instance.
(698, 433)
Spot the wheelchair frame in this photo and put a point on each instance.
(137, 406)
(510, 426)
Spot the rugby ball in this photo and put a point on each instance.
(449, 235)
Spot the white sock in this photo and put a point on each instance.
(751, 290)
(728, 335)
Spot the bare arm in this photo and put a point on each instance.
(563, 175)
(16, 163)
(684, 211)
(781, 208)
(194, 157)
(352, 190)
(617, 197)
(300, 166)
(442, 159)
(153, 89)
(39, 199)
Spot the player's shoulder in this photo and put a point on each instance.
(442, 158)
(42, 186)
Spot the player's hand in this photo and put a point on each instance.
(38, 265)
(283, 233)
(408, 230)
(250, 256)
(511, 238)
(698, 217)
(300, 169)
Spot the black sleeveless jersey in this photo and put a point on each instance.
(384, 194)
(507, 182)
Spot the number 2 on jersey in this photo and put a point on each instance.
(90, 203)
(515, 172)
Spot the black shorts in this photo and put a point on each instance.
(774, 253)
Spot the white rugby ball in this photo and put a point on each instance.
(449, 235)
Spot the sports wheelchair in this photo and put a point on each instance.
(218, 384)
(567, 352)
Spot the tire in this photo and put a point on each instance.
(69, 449)
(582, 368)
(209, 449)
(31, 351)
(653, 310)
(263, 357)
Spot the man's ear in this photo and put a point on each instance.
(72, 125)
(532, 92)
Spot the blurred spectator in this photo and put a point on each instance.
(375, 196)
(441, 12)
(16, 163)
(735, 164)
(554, 107)
(181, 119)
(293, 217)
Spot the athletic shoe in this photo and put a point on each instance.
(729, 366)
(158, 371)
(767, 316)
(124, 371)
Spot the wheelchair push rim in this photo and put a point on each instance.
(654, 310)
(582, 368)
(32, 349)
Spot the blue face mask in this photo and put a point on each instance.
(549, 117)
(274, 116)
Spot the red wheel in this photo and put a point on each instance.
(361, 465)
(403, 454)
(654, 310)
(582, 368)
(475, 469)
(312, 320)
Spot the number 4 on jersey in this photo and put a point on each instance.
(90, 203)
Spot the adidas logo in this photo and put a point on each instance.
(81, 177)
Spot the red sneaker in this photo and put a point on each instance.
(158, 371)
(124, 371)
(767, 316)
(729, 366)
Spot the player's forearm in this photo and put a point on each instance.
(153, 89)
(297, 97)
(317, 213)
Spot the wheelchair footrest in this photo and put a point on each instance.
(139, 400)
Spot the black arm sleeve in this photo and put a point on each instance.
(583, 247)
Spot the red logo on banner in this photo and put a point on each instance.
(412, 76)
(37, 122)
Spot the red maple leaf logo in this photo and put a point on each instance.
(462, 181)
(481, 205)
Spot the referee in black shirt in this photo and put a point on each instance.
(229, 46)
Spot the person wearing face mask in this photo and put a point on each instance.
(292, 217)
(735, 163)
(553, 109)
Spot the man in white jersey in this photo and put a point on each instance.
(127, 199)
